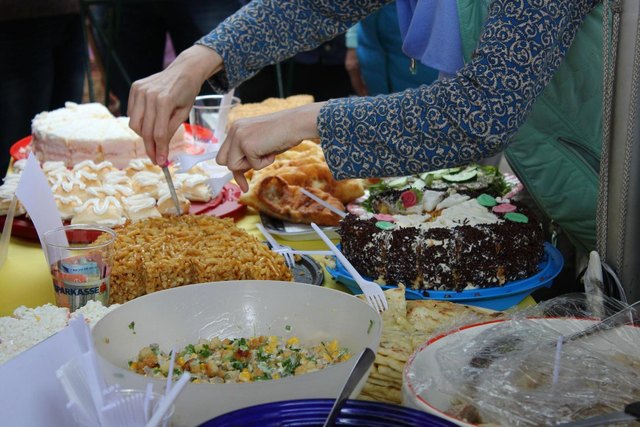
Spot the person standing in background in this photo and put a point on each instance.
(375, 61)
(142, 34)
(42, 65)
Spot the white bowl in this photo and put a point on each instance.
(179, 316)
(422, 372)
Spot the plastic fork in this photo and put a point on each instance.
(285, 251)
(184, 162)
(371, 290)
(216, 184)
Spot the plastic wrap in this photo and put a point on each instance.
(524, 372)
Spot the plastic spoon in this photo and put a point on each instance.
(362, 365)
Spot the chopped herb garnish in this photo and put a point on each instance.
(370, 326)
(190, 349)
(287, 328)
(132, 326)
(204, 353)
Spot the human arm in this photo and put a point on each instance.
(261, 33)
(459, 120)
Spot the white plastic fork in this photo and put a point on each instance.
(216, 184)
(285, 251)
(371, 290)
(184, 162)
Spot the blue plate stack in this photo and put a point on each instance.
(313, 412)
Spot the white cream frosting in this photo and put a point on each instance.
(139, 202)
(48, 167)
(18, 165)
(147, 178)
(68, 186)
(86, 176)
(116, 177)
(114, 190)
(91, 165)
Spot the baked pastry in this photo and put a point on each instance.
(18, 165)
(114, 190)
(7, 191)
(116, 177)
(140, 206)
(67, 205)
(89, 179)
(99, 169)
(287, 202)
(141, 165)
(194, 186)
(51, 166)
(59, 175)
(71, 187)
(303, 166)
(107, 211)
(268, 106)
(146, 182)
(166, 205)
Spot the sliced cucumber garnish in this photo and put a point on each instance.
(398, 182)
(465, 175)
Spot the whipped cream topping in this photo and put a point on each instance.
(116, 177)
(7, 190)
(110, 190)
(191, 180)
(67, 200)
(100, 206)
(139, 202)
(68, 186)
(91, 165)
(48, 167)
(147, 178)
(164, 194)
(18, 165)
(141, 165)
(86, 176)
(11, 179)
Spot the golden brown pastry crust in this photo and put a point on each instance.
(286, 201)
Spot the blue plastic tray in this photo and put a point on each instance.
(313, 412)
(495, 298)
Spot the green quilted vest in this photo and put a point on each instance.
(556, 153)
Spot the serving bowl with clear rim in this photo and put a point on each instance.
(423, 381)
(179, 316)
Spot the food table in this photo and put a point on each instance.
(25, 278)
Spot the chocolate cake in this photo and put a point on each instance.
(444, 239)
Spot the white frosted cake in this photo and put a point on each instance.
(80, 132)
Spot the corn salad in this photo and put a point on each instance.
(240, 360)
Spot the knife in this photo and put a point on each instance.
(172, 189)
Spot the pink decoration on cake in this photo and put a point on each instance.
(384, 217)
(355, 209)
(504, 208)
(409, 198)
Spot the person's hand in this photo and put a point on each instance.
(159, 103)
(253, 143)
(352, 65)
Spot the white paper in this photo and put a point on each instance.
(30, 393)
(36, 196)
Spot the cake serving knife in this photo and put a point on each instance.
(172, 189)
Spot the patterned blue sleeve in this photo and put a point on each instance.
(458, 120)
(268, 31)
